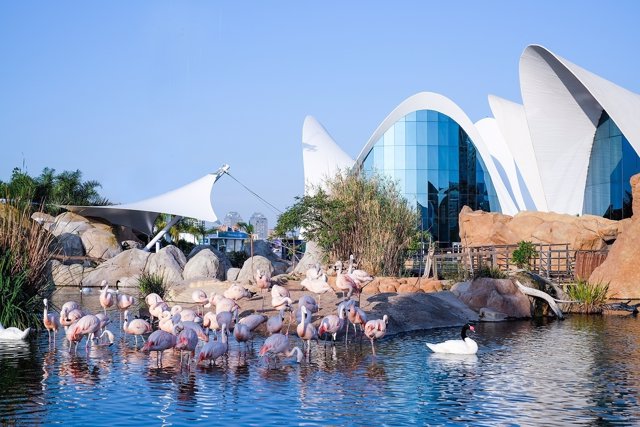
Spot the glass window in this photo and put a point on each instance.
(420, 133)
(422, 115)
(432, 116)
(432, 133)
(399, 133)
(422, 156)
(410, 137)
(410, 156)
(399, 157)
(410, 181)
(411, 117)
(389, 136)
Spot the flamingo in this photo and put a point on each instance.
(344, 281)
(242, 333)
(110, 338)
(137, 327)
(106, 297)
(197, 328)
(156, 309)
(361, 278)
(187, 341)
(315, 273)
(168, 322)
(357, 317)
(226, 304)
(67, 308)
(87, 325)
(159, 341)
(213, 300)
(124, 301)
(104, 320)
(200, 298)
(236, 292)
(306, 331)
(275, 323)
(280, 297)
(376, 329)
(186, 314)
(253, 320)
(263, 282)
(332, 324)
(71, 317)
(51, 321)
(13, 333)
(214, 349)
(152, 298)
(278, 344)
(462, 346)
(317, 286)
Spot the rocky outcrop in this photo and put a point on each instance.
(67, 275)
(168, 262)
(245, 277)
(67, 245)
(313, 255)
(496, 295)
(587, 232)
(100, 243)
(129, 263)
(204, 265)
(97, 239)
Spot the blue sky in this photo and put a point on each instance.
(146, 96)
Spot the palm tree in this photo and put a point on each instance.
(249, 229)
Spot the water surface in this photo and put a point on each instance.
(584, 370)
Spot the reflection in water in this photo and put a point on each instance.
(585, 370)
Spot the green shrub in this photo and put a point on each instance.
(490, 272)
(24, 254)
(523, 254)
(590, 297)
(152, 283)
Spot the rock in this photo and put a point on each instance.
(387, 285)
(635, 194)
(313, 255)
(131, 244)
(407, 288)
(500, 295)
(130, 263)
(68, 222)
(168, 262)
(204, 265)
(263, 249)
(100, 243)
(66, 275)
(43, 219)
(488, 315)
(250, 267)
(67, 244)
(620, 269)
(430, 285)
(586, 232)
(418, 311)
(232, 274)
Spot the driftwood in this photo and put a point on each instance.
(557, 288)
(539, 294)
(623, 306)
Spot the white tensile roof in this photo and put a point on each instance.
(194, 200)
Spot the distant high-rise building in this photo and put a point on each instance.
(232, 218)
(260, 225)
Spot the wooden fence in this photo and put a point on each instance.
(552, 261)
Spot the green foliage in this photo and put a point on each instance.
(24, 254)
(50, 189)
(490, 272)
(419, 239)
(356, 214)
(238, 258)
(591, 297)
(152, 283)
(523, 254)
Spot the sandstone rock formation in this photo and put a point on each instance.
(245, 277)
(203, 265)
(129, 263)
(587, 232)
(497, 295)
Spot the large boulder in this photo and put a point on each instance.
(204, 265)
(620, 269)
(168, 262)
(100, 243)
(128, 263)
(67, 275)
(313, 255)
(262, 248)
(251, 265)
(225, 262)
(497, 295)
(635, 194)
(586, 232)
(67, 245)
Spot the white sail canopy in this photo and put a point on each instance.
(194, 200)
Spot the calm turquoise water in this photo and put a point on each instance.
(584, 370)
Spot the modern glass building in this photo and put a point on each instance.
(437, 168)
(612, 163)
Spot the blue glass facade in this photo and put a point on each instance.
(437, 168)
(612, 163)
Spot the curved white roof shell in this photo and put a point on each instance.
(436, 102)
(194, 200)
(563, 103)
(321, 156)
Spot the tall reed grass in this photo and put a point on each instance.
(590, 297)
(24, 254)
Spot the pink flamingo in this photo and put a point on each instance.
(376, 329)
(156, 309)
(50, 320)
(200, 298)
(124, 302)
(237, 292)
(106, 297)
(332, 324)
(71, 317)
(253, 320)
(357, 317)
(104, 320)
(263, 282)
(187, 341)
(242, 333)
(360, 277)
(278, 344)
(344, 281)
(226, 304)
(159, 341)
(137, 327)
(87, 325)
(197, 328)
(214, 349)
(275, 323)
(306, 331)
(168, 322)
(280, 297)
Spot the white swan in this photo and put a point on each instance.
(12, 333)
(464, 346)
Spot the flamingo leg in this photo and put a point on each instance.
(373, 348)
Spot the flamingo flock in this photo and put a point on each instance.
(200, 333)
